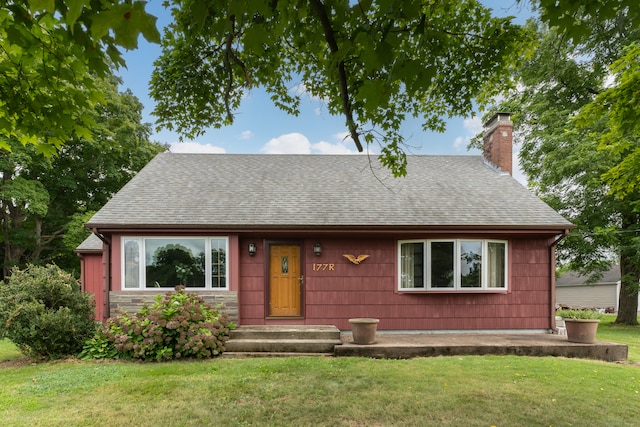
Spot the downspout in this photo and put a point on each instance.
(107, 273)
(552, 267)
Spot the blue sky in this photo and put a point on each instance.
(260, 127)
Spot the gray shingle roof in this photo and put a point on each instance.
(90, 244)
(573, 278)
(308, 191)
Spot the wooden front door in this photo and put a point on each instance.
(285, 281)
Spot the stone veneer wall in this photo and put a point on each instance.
(131, 301)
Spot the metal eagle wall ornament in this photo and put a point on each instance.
(356, 260)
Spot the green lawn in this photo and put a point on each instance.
(629, 335)
(447, 391)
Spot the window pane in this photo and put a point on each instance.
(496, 265)
(173, 262)
(470, 264)
(219, 263)
(442, 258)
(131, 264)
(412, 265)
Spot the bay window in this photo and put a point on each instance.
(166, 262)
(454, 264)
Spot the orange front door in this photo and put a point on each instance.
(285, 281)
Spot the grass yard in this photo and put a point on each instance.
(8, 351)
(446, 391)
(305, 391)
(629, 335)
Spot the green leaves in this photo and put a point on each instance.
(578, 119)
(617, 107)
(74, 11)
(50, 54)
(373, 62)
(45, 199)
(46, 5)
(576, 19)
(44, 312)
(126, 21)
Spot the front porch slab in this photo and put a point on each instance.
(405, 346)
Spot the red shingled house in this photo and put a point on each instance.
(456, 245)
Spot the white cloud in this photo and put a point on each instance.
(195, 147)
(472, 126)
(247, 134)
(518, 173)
(343, 136)
(300, 89)
(324, 147)
(460, 142)
(297, 143)
(290, 143)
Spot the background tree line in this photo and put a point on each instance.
(45, 200)
(576, 115)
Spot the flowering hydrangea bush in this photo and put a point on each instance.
(175, 326)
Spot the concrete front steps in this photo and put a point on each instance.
(282, 340)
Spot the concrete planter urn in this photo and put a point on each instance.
(364, 330)
(581, 330)
(581, 325)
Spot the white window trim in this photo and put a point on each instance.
(457, 288)
(142, 264)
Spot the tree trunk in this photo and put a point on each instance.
(628, 302)
(629, 276)
(13, 218)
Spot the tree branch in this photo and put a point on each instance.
(329, 36)
(229, 69)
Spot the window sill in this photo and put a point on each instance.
(171, 289)
(453, 291)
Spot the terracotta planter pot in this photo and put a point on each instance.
(581, 330)
(364, 330)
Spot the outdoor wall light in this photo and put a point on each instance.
(317, 249)
(252, 249)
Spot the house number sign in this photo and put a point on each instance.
(324, 267)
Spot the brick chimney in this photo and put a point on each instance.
(498, 141)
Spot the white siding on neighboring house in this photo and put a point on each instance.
(572, 290)
(592, 296)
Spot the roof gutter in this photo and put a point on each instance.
(552, 274)
(564, 234)
(100, 236)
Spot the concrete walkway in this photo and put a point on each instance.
(403, 346)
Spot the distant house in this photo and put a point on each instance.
(574, 290)
(457, 244)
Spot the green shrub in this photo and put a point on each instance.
(176, 325)
(44, 312)
(579, 314)
(99, 347)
